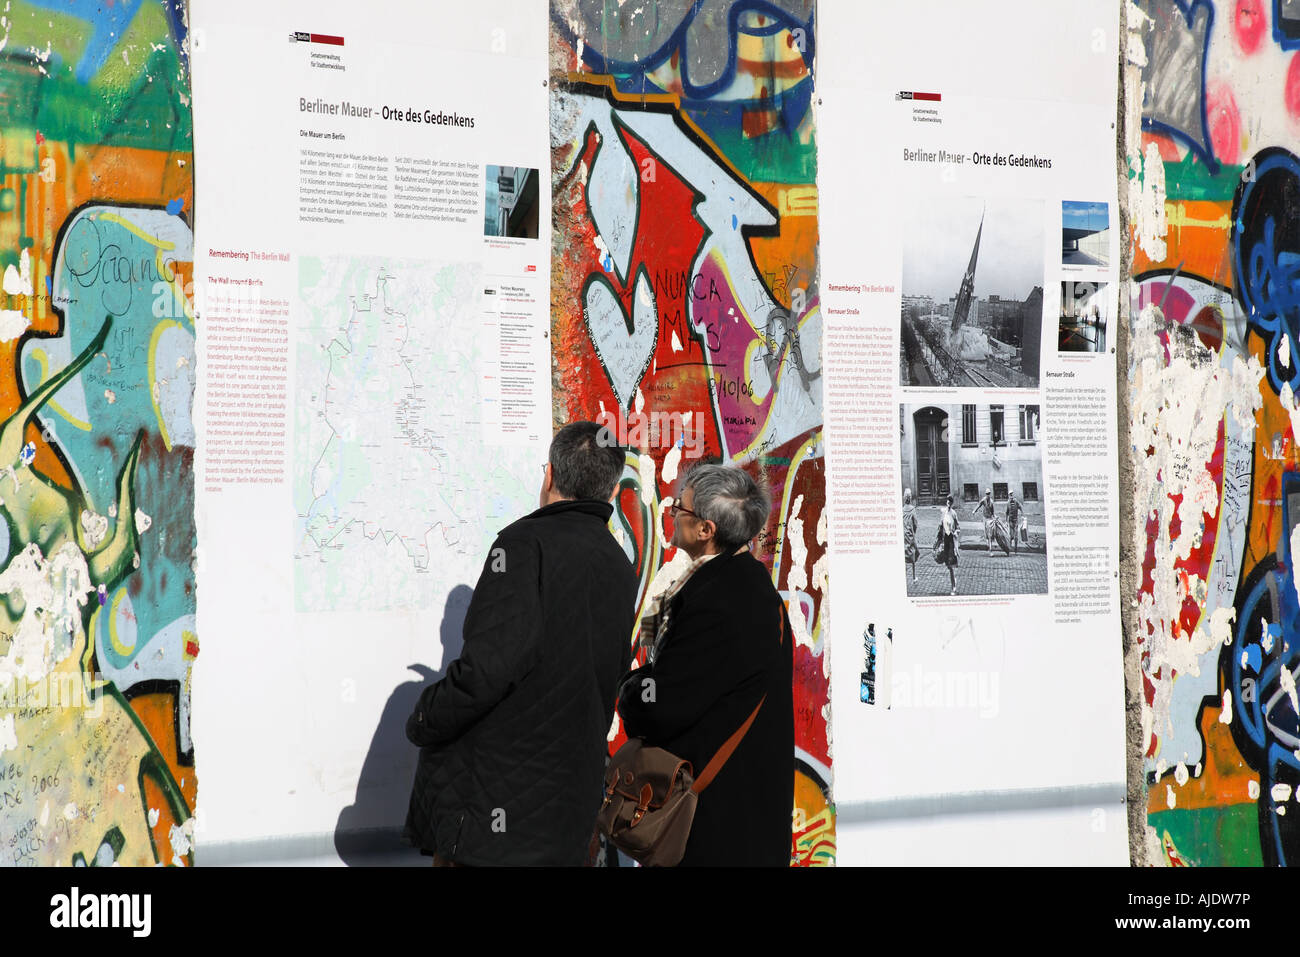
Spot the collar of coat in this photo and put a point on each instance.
(582, 506)
(708, 570)
(659, 610)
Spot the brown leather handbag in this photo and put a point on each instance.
(650, 798)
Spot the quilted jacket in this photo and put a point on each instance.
(727, 645)
(513, 738)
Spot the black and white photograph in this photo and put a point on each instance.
(1084, 317)
(1085, 233)
(973, 514)
(972, 312)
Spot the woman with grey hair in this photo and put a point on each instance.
(720, 659)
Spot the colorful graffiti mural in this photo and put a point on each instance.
(97, 366)
(1215, 195)
(684, 290)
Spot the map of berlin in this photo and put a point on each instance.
(392, 470)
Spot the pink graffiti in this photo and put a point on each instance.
(1291, 92)
(1248, 25)
(1225, 122)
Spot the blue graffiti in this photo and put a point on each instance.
(110, 22)
(635, 69)
(175, 10)
(117, 260)
(1286, 30)
(1173, 102)
(1261, 661)
(1267, 276)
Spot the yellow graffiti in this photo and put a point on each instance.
(42, 362)
(158, 330)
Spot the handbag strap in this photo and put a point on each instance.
(713, 767)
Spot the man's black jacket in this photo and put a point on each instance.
(728, 644)
(513, 739)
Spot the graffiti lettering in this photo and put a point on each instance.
(730, 385)
(105, 265)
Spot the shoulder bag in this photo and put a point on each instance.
(650, 797)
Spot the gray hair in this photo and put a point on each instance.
(586, 461)
(728, 497)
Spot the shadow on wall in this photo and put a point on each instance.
(369, 831)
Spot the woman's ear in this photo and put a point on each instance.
(707, 530)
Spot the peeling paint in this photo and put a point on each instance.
(646, 471)
(18, 282)
(181, 838)
(50, 594)
(1286, 681)
(1147, 203)
(13, 323)
(1174, 378)
(798, 576)
(94, 528)
(672, 461)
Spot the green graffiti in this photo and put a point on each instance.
(1213, 836)
(110, 849)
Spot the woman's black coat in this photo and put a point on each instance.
(728, 644)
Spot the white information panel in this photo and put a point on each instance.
(970, 251)
(372, 257)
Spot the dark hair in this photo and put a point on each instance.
(728, 497)
(586, 461)
(949, 499)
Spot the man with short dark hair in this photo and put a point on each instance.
(721, 658)
(514, 739)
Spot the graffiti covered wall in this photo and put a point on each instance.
(97, 545)
(1214, 366)
(684, 290)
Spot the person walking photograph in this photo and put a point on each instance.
(1013, 521)
(984, 507)
(910, 552)
(948, 541)
(988, 460)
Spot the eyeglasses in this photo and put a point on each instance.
(674, 508)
